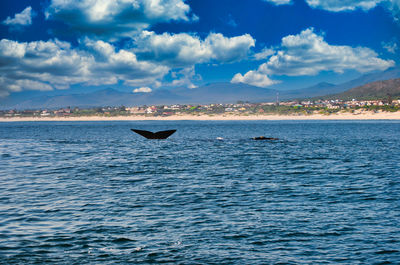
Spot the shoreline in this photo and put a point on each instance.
(226, 117)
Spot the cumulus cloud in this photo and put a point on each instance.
(53, 64)
(343, 5)
(22, 19)
(121, 65)
(264, 54)
(308, 54)
(184, 50)
(39, 65)
(279, 2)
(144, 89)
(227, 50)
(115, 18)
(184, 78)
(253, 78)
(349, 5)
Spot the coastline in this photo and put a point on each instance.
(227, 117)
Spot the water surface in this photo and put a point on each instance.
(328, 192)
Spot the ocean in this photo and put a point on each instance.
(326, 192)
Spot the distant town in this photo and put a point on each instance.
(240, 108)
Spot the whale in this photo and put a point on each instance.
(264, 138)
(156, 135)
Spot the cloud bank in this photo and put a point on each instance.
(112, 19)
(53, 64)
(183, 50)
(117, 45)
(309, 54)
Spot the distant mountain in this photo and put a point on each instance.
(226, 93)
(323, 88)
(390, 73)
(374, 90)
(98, 98)
(210, 93)
(319, 89)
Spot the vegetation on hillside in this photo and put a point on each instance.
(380, 90)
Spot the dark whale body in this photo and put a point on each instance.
(265, 138)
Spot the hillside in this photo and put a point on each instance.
(323, 88)
(374, 90)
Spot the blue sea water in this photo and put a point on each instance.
(327, 192)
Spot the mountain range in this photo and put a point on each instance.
(209, 93)
(374, 90)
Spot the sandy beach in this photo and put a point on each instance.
(338, 116)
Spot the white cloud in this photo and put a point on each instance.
(184, 50)
(22, 19)
(350, 5)
(390, 47)
(184, 77)
(43, 65)
(225, 49)
(121, 65)
(253, 78)
(144, 89)
(394, 7)
(31, 85)
(179, 50)
(115, 18)
(308, 54)
(39, 65)
(279, 2)
(343, 5)
(231, 21)
(264, 54)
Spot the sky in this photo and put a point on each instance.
(144, 45)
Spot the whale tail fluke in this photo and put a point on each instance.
(156, 135)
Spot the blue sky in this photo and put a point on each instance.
(143, 45)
